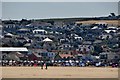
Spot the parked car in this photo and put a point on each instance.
(82, 64)
(115, 65)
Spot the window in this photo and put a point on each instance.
(103, 56)
(39, 54)
(116, 57)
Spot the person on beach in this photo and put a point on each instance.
(46, 65)
(42, 64)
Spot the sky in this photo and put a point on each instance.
(0, 10)
(60, 0)
(40, 10)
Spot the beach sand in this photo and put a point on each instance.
(59, 72)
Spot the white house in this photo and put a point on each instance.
(78, 38)
(108, 31)
(47, 40)
(39, 31)
(23, 31)
(88, 48)
(10, 26)
(112, 28)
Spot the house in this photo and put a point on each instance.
(32, 50)
(65, 46)
(66, 56)
(27, 45)
(39, 36)
(34, 56)
(109, 56)
(23, 31)
(78, 38)
(9, 26)
(58, 23)
(21, 39)
(48, 55)
(86, 48)
(112, 28)
(97, 42)
(48, 44)
(105, 36)
(86, 42)
(13, 56)
(109, 31)
(47, 40)
(39, 31)
(3, 55)
(64, 40)
(21, 56)
(40, 54)
(95, 27)
(89, 36)
(85, 57)
(8, 35)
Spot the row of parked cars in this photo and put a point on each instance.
(79, 63)
(88, 63)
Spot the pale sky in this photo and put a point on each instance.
(32, 10)
(60, 0)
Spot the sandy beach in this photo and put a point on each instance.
(59, 72)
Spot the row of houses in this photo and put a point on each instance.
(62, 38)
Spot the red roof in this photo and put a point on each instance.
(65, 55)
